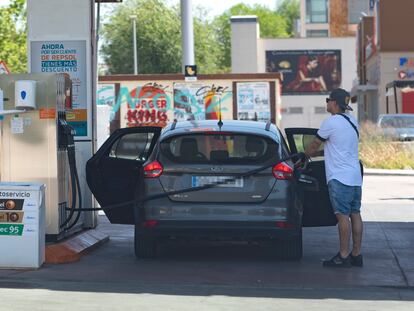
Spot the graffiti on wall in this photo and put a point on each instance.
(156, 104)
(149, 105)
(197, 101)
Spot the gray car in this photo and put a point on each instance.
(206, 180)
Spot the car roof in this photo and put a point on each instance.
(239, 126)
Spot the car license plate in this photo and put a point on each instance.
(199, 181)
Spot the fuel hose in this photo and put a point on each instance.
(193, 189)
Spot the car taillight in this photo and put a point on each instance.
(150, 223)
(153, 170)
(284, 225)
(282, 171)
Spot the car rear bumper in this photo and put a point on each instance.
(242, 230)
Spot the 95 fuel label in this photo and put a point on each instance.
(11, 229)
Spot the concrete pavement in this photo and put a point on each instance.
(226, 276)
(383, 172)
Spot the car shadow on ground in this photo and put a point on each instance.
(237, 269)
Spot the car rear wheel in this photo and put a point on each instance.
(145, 247)
(290, 249)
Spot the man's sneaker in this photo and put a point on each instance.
(337, 261)
(356, 260)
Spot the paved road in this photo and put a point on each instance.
(228, 276)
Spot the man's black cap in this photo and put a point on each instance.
(341, 97)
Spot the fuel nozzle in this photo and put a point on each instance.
(66, 136)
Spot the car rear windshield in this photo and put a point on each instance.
(220, 148)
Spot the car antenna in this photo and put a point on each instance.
(220, 122)
(267, 128)
(174, 124)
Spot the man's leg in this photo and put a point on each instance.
(357, 228)
(340, 197)
(344, 230)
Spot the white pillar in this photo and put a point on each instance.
(245, 34)
(72, 24)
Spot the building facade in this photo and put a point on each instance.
(311, 68)
(330, 18)
(386, 59)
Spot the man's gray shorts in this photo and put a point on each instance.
(345, 199)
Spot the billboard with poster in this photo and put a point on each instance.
(253, 101)
(306, 72)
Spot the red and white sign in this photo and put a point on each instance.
(3, 68)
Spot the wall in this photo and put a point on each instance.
(338, 17)
(373, 77)
(244, 35)
(391, 25)
(156, 100)
(396, 24)
(383, 68)
(390, 71)
(166, 105)
(355, 8)
(311, 102)
(365, 38)
(340, 14)
(311, 26)
(312, 106)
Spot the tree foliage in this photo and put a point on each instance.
(273, 24)
(290, 10)
(13, 48)
(159, 35)
(158, 39)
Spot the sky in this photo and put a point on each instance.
(215, 7)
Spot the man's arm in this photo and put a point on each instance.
(313, 147)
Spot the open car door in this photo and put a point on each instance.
(114, 174)
(317, 209)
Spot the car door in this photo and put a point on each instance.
(114, 174)
(317, 209)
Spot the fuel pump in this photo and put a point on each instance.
(37, 145)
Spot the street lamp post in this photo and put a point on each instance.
(134, 42)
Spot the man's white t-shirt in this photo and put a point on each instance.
(341, 150)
